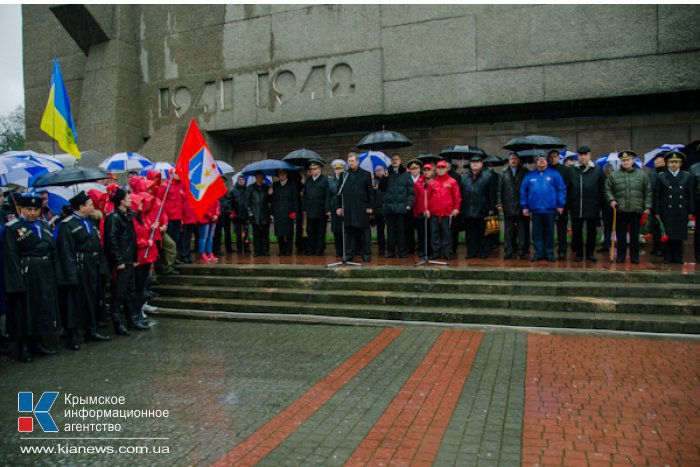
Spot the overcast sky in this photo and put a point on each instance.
(11, 88)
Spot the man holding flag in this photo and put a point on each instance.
(57, 121)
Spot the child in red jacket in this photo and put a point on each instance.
(206, 233)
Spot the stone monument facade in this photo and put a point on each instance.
(262, 80)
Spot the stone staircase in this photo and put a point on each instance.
(648, 301)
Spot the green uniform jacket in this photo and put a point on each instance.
(630, 188)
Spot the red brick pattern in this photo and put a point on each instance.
(410, 430)
(611, 401)
(270, 435)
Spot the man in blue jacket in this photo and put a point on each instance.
(542, 195)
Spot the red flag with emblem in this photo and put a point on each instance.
(198, 172)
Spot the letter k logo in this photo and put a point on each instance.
(25, 403)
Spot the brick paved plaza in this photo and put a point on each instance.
(242, 393)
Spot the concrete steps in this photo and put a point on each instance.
(650, 301)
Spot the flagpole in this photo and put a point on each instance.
(160, 211)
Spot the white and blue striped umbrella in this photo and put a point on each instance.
(125, 161)
(59, 196)
(649, 157)
(224, 167)
(613, 159)
(163, 168)
(565, 153)
(371, 159)
(250, 179)
(23, 168)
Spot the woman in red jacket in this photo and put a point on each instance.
(141, 203)
(189, 229)
(206, 233)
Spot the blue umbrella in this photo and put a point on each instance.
(568, 154)
(613, 159)
(59, 196)
(124, 161)
(249, 179)
(163, 168)
(22, 169)
(267, 167)
(224, 167)
(649, 157)
(370, 160)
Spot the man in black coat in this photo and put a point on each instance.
(378, 208)
(655, 226)
(257, 203)
(338, 167)
(121, 252)
(316, 200)
(585, 182)
(223, 225)
(285, 206)
(355, 197)
(562, 220)
(237, 196)
(398, 201)
(517, 226)
(675, 204)
(81, 263)
(30, 277)
(478, 201)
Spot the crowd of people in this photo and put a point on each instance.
(72, 272)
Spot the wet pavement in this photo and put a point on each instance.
(241, 393)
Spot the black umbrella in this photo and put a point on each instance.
(70, 176)
(494, 160)
(534, 142)
(302, 157)
(428, 158)
(692, 154)
(527, 155)
(463, 151)
(384, 140)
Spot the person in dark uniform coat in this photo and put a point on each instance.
(80, 262)
(398, 202)
(655, 226)
(378, 217)
(223, 225)
(674, 205)
(30, 278)
(285, 206)
(517, 226)
(237, 195)
(257, 202)
(561, 220)
(122, 256)
(695, 172)
(355, 197)
(317, 204)
(478, 192)
(339, 166)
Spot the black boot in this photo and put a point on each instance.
(73, 342)
(41, 348)
(94, 335)
(24, 354)
(119, 328)
(136, 322)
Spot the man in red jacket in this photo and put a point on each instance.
(444, 200)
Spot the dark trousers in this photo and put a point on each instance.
(174, 230)
(477, 243)
(381, 233)
(185, 245)
(423, 229)
(338, 242)
(316, 230)
(655, 230)
(123, 295)
(357, 240)
(395, 234)
(543, 235)
(261, 239)
(673, 251)
(410, 229)
(223, 228)
(696, 234)
(441, 236)
(140, 279)
(285, 242)
(242, 243)
(562, 221)
(517, 235)
(607, 218)
(577, 236)
(628, 220)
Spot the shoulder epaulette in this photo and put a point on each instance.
(12, 222)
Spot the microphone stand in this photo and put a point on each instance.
(342, 207)
(425, 232)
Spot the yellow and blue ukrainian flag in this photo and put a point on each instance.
(57, 121)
